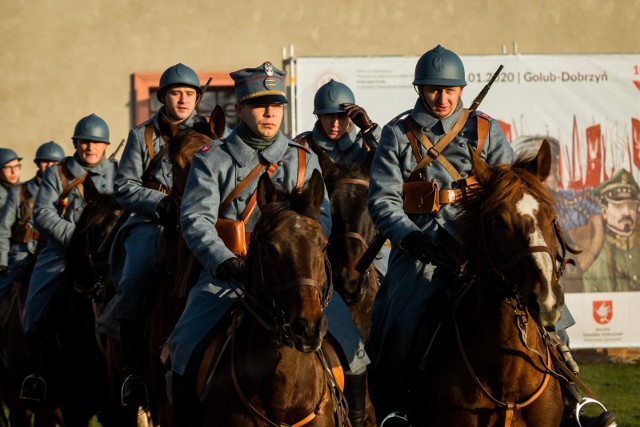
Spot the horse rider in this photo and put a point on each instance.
(19, 241)
(336, 133)
(424, 237)
(57, 207)
(10, 176)
(142, 187)
(216, 170)
(336, 130)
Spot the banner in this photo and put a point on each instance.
(588, 108)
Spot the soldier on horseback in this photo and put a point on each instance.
(57, 207)
(336, 134)
(18, 238)
(142, 186)
(9, 172)
(210, 199)
(421, 169)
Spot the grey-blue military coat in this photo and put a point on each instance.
(350, 149)
(409, 283)
(12, 212)
(58, 227)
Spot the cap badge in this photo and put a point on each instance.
(268, 68)
(332, 95)
(270, 83)
(439, 63)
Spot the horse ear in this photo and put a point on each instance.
(217, 122)
(541, 164)
(267, 192)
(315, 191)
(479, 167)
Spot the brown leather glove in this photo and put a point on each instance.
(359, 117)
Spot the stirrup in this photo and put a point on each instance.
(395, 419)
(586, 401)
(133, 392)
(34, 388)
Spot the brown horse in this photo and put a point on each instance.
(489, 363)
(352, 230)
(177, 269)
(277, 369)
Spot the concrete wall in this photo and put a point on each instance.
(64, 59)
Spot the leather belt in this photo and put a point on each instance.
(456, 195)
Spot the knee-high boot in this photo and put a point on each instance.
(134, 390)
(34, 386)
(355, 391)
(184, 399)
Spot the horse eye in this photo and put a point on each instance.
(499, 222)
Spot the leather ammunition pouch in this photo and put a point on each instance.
(420, 197)
(24, 233)
(234, 236)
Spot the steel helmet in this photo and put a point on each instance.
(49, 151)
(178, 74)
(440, 67)
(92, 128)
(7, 155)
(330, 96)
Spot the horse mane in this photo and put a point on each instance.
(506, 182)
(296, 201)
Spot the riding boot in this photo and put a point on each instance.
(355, 391)
(134, 390)
(573, 403)
(34, 387)
(184, 401)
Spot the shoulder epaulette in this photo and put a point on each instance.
(297, 144)
(483, 115)
(397, 118)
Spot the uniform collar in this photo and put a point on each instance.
(243, 154)
(425, 119)
(187, 123)
(343, 144)
(32, 185)
(77, 170)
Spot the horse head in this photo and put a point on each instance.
(352, 229)
(509, 225)
(286, 262)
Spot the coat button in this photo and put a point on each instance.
(239, 178)
(464, 161)
(280, 163)
(242, 198)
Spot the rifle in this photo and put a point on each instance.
(115, 153)
(374, 247)
(476, 102)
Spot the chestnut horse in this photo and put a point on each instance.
(277, 370)
(489, 363)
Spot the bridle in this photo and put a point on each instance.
(351, 234)
(265, 308)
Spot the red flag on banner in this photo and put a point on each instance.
(594, 160)
(635, 138)
(576, 169)
(606, 157)
(506, 129)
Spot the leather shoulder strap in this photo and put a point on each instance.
(302, 167)
(68, 186)
(483, 130)
(241, 186)
(148, 137)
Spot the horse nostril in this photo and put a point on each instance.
(300, 327)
